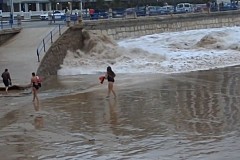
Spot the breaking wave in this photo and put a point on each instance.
(100, 51)
(158, 53)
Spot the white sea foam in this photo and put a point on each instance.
(158, 53)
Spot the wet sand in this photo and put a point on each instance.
(181, 116)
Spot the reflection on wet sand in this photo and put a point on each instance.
(113, 114)
(36, 106)
(182, 116)
(8, 119)
(15, 140)
(38, 120)
(205, 109)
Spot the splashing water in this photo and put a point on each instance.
(100, 51)
(158, 53)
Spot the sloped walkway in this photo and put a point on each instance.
(19, 54)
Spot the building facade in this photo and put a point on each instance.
(41, 5)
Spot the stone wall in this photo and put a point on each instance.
(7, 34)
(124, 28)
(72, 39)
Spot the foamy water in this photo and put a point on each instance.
(191, 116)
(158, 53)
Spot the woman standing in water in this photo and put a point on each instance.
(110, 77)
(35, 86)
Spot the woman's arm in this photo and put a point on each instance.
(31, 82)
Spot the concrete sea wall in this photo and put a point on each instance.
(120, 29)
(73, 39)
(7, 34)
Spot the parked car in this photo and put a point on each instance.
(130, 11)
(100, 14)
(58, 15)
(184, 8)
(140, 11)
(167, 9)
(199, 8)
(227, 6)
(85, 14)
(73, 17)
(118, 13)
(155, 10)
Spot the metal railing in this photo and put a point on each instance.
(9, 25)
(48, 40)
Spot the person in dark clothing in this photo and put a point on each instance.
(6, 79)
(208, 6)
(110, 77)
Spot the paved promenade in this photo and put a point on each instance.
(19, 54)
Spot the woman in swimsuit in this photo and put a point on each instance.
(110, 77)
(35, 87)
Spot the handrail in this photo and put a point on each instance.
(48, 38)
(8, 25)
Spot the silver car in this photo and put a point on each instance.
(58, 15)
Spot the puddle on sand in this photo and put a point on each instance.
(181, 116)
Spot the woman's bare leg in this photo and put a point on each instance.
(36, 96)
(114, 93)
(109, 89)
(6, 90)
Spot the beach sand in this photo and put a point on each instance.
(155, 116)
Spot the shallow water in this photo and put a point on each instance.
(192, 116)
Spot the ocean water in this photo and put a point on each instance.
(166, 53)
(176, 100)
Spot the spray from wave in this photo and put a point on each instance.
(214, 39)
(100, 51)
(159, 53)
(220, 40)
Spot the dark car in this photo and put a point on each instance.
(100, 14)
(227, 6)
(73, 17)
(118, 12)
(140, 11)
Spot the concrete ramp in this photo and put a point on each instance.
(19, 53)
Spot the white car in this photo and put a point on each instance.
(167, 9)
(184, 8)
(58, 15)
